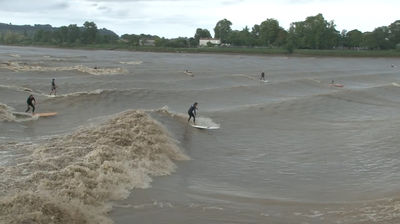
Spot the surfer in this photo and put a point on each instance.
(187, 72)
(262, 76)
(31, 103)
(192, 112)
(53, 87)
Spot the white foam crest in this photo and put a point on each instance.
(165, 110)
(18, 88)
(75, 94)
(385, 210)
(16, 66)
(78, 174)
(6, 113)
(131, 62)
(206, 121)
(15, 55)
(200, 120)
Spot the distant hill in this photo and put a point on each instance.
(31, 30)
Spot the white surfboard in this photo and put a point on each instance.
(204, 127)
(47, 95)
(395, 84)
(22, 114)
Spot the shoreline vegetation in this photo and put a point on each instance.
(229, 50)
(315, 36)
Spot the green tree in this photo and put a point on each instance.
(281, 39)
(255, 35)
(269, 30)
(379, 39)
(353, 39)
(43, 36)
(394, 33)
(73, 33)
(222, 30)
(240, 38)
(201, 33)
(314, 33)
(192, 42)
(89, 32)
(63, 34)
(180, 42)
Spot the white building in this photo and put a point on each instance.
(204, 41)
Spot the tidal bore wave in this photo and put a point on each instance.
(72, 179)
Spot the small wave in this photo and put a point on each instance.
(6, 113)
(16, 66)
(76, 94)
(71, 179)
(202, 121)
(17, 88)
(15, 55)
(131, 62)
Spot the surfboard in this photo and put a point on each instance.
(264, 81)
(22, 114)
(48, 114)
(395, 84)
(336, 85)
(204, 127)
(188, 73)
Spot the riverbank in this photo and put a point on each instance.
(233, 50)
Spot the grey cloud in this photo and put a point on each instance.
(61, 5)
(23, 6)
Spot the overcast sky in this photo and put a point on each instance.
(174, 18)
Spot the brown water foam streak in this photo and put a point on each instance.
(72, 179)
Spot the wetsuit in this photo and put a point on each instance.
(262, 76)
(53, 85)
(192, 113)
(29, 101)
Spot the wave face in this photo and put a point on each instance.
(72, 179)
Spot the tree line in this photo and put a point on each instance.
(64, 35)
(313, 33)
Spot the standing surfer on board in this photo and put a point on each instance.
(53, 87)
(262, 76)
(192, 112)
(31, 103)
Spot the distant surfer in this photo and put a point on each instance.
(31, 103)
(262, 76)
(187, 72)
(53, 87)
(192, 112)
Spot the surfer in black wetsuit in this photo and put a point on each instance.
(262, 76)
(31, 103)
(53, 87)
(192, 112)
